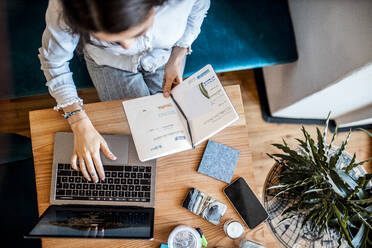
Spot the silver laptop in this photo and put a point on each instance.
(127, 171)
(121, 206)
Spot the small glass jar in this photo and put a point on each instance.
(233, 229)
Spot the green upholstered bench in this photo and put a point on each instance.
(244, 34)
(235, 35)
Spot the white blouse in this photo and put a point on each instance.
(176, 23)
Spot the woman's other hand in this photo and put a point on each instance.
(173, 70)
(87, 145)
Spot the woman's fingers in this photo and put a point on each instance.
(169, 82)
(167, 86)
(90, 167)
(87, 143)
(177, 81)
(106, 150)
(98, 164)
(73, 161)
(83, 169)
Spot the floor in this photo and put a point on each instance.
(14, 119)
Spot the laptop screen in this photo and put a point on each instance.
(95, 222)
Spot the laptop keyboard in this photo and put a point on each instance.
(122, 183)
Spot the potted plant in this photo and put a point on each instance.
(366, 131)
(322, 188)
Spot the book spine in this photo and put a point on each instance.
(187, 121)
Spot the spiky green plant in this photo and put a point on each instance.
(326, 196)
(366, 131)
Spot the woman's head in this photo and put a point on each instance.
(118, 21)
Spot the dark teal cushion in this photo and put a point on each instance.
(14, 147)
(244, 34)
(26, 23)
(18, 208)
(235, 35)
(18, 203)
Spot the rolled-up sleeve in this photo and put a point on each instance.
(57, 50)
(194, 22)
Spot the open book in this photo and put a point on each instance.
(197, 109)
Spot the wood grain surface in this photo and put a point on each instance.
(176, 174)
(15, 119)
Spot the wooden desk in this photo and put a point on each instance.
(176, 174)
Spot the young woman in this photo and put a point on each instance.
(132, 48)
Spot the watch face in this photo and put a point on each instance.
(204, 206)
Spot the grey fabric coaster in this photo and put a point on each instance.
(219, 161)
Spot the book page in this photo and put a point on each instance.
(205, 104)
(157, 127)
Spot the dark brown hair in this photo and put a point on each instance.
(110, 16)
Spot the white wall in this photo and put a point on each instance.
(361, 116)
(334, 70)
(350, 93)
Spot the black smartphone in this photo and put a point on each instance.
(246, 203)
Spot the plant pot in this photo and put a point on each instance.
(289, 232)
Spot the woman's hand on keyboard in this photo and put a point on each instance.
(87, 145)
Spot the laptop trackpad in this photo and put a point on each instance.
(117, 143)
(119, 146)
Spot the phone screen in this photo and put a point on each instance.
(246, 203)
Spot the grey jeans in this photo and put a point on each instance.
(114, 84)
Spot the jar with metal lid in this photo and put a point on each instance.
(184, 237)
(233, 229)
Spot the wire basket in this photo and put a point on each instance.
(289, 232)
